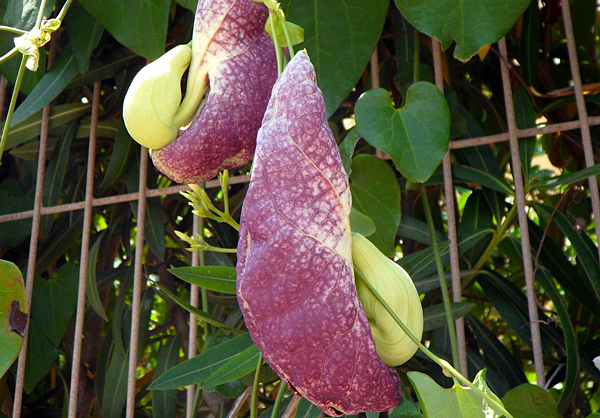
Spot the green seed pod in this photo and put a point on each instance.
(396, 287)
(154, 98)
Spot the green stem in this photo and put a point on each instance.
(11, 106)
(13, 30)
(9, 55)
(288, 39)
(40, 15)
(196, 402)
(442, 277)
(277, 48)
(64, 9)
(417, 58)
(277, 404)
(254, 400)
(441, 362)
(203, 291)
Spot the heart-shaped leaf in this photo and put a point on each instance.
(239, 60)
(416, 136)
(295, 280)
(471, 23)
(13, 316)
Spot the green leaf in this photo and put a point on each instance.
(54, 301)
(525, 116)
(530, 401)
(84, 34)
(471, 23)
(417, 230)
(477, 216)
(114, 396)
(106, 67)
(60, 239)
(14, 201)
(91, 288)
(346, 148)
(562, 180)
(306, 409)
(474, 175)
(140, 25)
(164, 402)
(51, 84)
(415, 136)
(185, 305)
(361, 223)
(435, 316)
(197, 369)
(499, 356)
(41, 356)
(340, 38)
(529, 42)
(407, 409)
(456, 402)
(587, 256)
(13, 308)
(30, 127)
(55, 173)
(215, 278)
(122, 151)
(239, 366)
(376, 194)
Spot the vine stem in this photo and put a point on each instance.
(254, 400)
(276, 43)
(440, 362)
(417, 58)
(277, 404)
(288, 39)
(11, 106)
(442, 277)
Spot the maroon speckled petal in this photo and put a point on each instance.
(295, 280)
(242, 69)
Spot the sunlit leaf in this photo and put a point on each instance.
(13, 313)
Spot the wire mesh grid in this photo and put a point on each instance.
(513, 135)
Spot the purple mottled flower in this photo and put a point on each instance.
(295, 279)
(236, 55)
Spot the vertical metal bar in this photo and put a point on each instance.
(85, 249)
(583, 116)
(193, 334)
(137, 284)
(33, 243)
(451, 219)
(536, 341)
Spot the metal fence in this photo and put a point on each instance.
(512, 136)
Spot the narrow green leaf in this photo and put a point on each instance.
(164, 402)
(215, 278)
(435, 316)
(346, 148)
(60, 239)
(498, 354)
(416, 136)
(197, 369)
(108, 67)
(41, 356)
(306, 409)
(115, 389)
(562, 180)
(185, 305)
(92, 287)
(51, 84)
(529, 55)
(55, 173)
(84, 34)
(474, 175)
(587, 257)
(239, 366)
(376, 194)
(30, 127)
(525, 116)
(123, 150)
(417, 230)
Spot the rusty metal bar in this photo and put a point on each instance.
(536, 341)
(85, 249)
(137, 284)
(451, 221)
(583, 116)
(193, 333)
(33, 243)
(117, 199)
